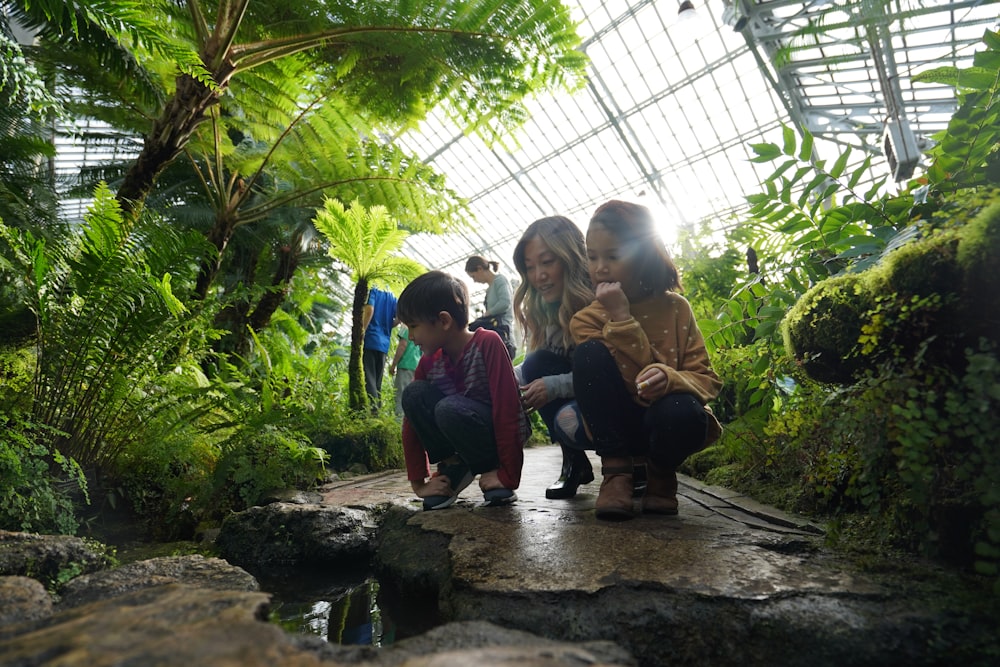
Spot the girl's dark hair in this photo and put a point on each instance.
(632, 224)
(429, 294)
(476, 262)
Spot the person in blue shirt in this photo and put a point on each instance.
(378, 320)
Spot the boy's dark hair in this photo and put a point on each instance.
(632, 224)
(429, 294)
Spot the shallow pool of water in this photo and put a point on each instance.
(343, 607)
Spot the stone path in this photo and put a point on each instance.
(721, 542)
(726, 582)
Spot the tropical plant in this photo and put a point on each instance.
(262, 191)
(108, 322)
(37, 483)
(394, 60)
(907, 441)
(364, 241)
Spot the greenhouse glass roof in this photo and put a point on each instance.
(671, 106)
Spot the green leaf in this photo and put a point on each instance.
(859, 173)
(841, 163)
(788, 136)
(782, 169)
(765, 152)
(805, 152)
(992, 39)
(947, 75)
(975, 78)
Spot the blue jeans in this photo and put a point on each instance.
(668, 431)
(454, 424)
(539, 364)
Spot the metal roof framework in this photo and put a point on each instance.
(671, 107)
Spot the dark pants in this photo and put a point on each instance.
(668, 431)
(448, 425)
(538, 364)
(373, 362)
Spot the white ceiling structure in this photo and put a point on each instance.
(671, 107)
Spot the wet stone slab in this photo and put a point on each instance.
(728, 581)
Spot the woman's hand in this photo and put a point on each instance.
(651, 384)
(534, 395)
(614, 300)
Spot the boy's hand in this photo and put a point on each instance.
(651, 384)
(437, 485)
(614, 300)
(534, 395)
(490, 480)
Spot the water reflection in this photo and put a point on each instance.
(335, 607)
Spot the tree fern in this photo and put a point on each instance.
(365, 241)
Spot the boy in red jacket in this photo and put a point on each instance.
(463, 410)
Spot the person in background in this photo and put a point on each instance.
(499, 312)
(552, 260)
(404, 363)
(378, 318)
(641, 372)
(462, 410)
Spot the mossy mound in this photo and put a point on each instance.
(979, 260)
(822, 329)
(934, 296)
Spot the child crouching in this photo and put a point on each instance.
(463, 410)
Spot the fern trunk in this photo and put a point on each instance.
(357, 398)
(170, 133)
(288, 262)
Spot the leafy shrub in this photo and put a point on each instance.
(255, 462)
(37, 483)
(17, 367)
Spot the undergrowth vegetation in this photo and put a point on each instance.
(860, 358)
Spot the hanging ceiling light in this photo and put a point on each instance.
(733, 16)
(686, 11)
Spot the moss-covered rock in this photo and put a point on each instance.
(933, 297)
(979, 259)
(822, 329)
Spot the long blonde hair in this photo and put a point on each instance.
(565, 241)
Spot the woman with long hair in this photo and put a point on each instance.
(552, 261)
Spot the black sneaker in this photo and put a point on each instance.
(496, 497)
(459, 477)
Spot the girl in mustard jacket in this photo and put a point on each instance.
(641, 374)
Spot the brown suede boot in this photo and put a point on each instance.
(661, 490)
(614, 501)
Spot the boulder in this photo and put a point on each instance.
(23, 599)
(292, 534)
(194, 570)
(51, 559)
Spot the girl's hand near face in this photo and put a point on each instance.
(614, 300)
(651, 384)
